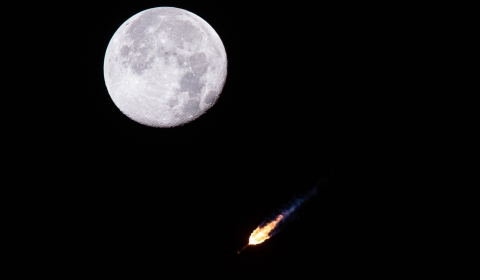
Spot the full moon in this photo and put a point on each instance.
(165, 67)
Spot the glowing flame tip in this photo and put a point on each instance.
(263, 233)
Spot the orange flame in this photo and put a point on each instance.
(262, 233)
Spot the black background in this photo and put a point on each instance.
(371, 104)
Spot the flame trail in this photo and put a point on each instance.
(268, 229)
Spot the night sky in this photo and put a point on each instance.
(371, 104)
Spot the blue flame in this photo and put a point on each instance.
(290, 208)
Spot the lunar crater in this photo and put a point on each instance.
(165, 67)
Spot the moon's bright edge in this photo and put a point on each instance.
(165, 67)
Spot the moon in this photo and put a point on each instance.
(165, 67)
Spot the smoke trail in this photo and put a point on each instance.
(270, 227)
(289, 209)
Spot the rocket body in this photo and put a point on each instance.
(244, 247)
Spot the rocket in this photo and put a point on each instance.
(244, 247)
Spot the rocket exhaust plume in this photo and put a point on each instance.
(269, 228)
